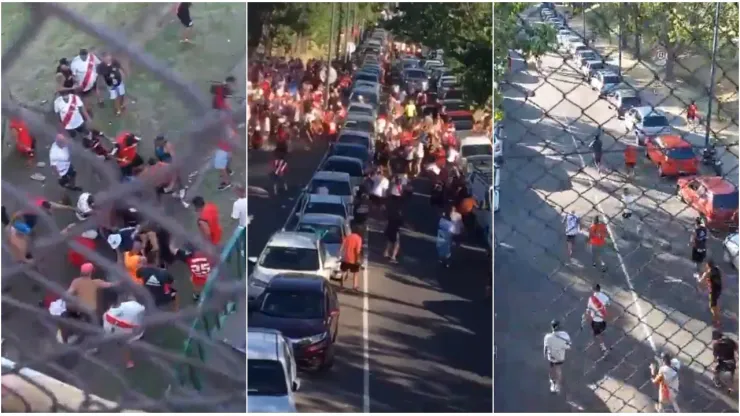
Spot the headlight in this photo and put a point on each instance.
(256, 282)
(314, 339)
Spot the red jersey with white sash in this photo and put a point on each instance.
(200, 268)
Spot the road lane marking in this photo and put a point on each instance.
(365, 328)
(612, 235)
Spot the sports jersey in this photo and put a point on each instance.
(596, 306)
(85, 71)
(571, 224)
(124, 318)
(555, 345)
(199, 266)
(68, 108)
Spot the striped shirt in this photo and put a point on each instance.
(279, 166)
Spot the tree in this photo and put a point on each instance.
(462, 30)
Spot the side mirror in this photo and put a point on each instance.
(252, 260)
(296, 385)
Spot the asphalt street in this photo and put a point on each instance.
(419, 339)
(656, 304)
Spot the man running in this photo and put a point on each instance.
(183, 15)
(556, 343)
(124, 317)
(712, 277)
(279, 167)
(597, 235)
(198, 264)
(666, 378)
(725, 352)
(698, 245)
(628, 199)
(596, 313)
(572, 228)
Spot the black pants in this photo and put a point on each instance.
(68, 178)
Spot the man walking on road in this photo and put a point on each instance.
(556, 343)
(572, 227)
(597, 238)
(596, 313)
(597, 146)
(352, 255)
(699, 245)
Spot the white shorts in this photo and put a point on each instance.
(116, 92)
(220, 159)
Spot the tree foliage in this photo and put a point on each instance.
(462, 30)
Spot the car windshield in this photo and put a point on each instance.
(655, 121)
(454, 95)
(595, 66)
(611, 79)
(325, 208)
(329, 234)
(360, 125)
(448, 82)
(361, 110)
(266, 378)
(410, 64)
(293, 304)
(681, 153)
(335, 187)
(353, 138)
(476, 150)
(725, 201)
(416, 74)
(351, 151)
(630, 101)
(290, 258)
(366, 77)
(369, 97)
(455, 106)
(588, 56)
(354, 169)
(462, 123)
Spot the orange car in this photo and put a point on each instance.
(673, 155)
(712, 196)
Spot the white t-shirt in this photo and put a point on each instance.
(556, 344)
(670, 375)
(62, 107)
(380, 186)
(80, 68)
(83, 206)
(239, 211)
(571, 224)
(629, 203)
(125, 318)
(596, 314)
(452, 155)
(59, 158)
(457, 222)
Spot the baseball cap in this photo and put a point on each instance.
(87, 268)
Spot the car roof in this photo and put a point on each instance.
(302, 282)
(323, 219)
(357, 117)
(354, 145)
(262, 344)
(343, 159)
(326, 175)
(362, 89)
(325, 199)
(594, 61)
(717, 184)
(626, 92)
(475, 140)
(292, 239)
(648, 111)
(672, 141)
(607, 73)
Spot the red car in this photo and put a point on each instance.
(673, 155)
(712, 196)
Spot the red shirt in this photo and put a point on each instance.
(209, 215)
(125, 152)
(200, 268)
(25, 142)
(76, 259)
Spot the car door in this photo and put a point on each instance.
(332, 312)
(702, 200)
(290, 368)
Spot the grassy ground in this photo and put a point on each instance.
(220, 48)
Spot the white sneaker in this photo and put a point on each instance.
(553, 387)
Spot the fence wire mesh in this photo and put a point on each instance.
(665, 56)
(167, 366)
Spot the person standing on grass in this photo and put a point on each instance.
(351, 257)
(159, 282)
(112, 72)
(87, 289)
(222, 161)
(239, 208)
(61, 161)
(72, 113)
(208, 220)
(199, 265)
(183, 14)
(25, 144)
(85, 69)
(124, 317)
(597, 235)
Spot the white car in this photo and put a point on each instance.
(498, 143)
(330, 228)
(605, 82)
(475, 148)
(272, 372)
(731, 250)
(432, 63)
(589, 68)
(289, 252)
(645, 121)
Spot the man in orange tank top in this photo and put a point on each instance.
(597, 235)
(208, 220)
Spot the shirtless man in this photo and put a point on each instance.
(87, 289)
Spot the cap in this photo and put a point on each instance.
(87, 268)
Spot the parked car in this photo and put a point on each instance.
(415, 79)
(731, 250)
(589, 68)
(586, 55)
(330, 228)
(712, 196)
(462, 120)
(645, 121)
(325, 204)
(361, 108)
(337, 183)
(576, 47)
(305, 309)
(272, 370)
(360, 122)
(354, 167)
(289, 252)
(365, 95)
(475, 148)
(604, 82)
(623, 100)
(673, 155)
(357, 137)
(352, 150)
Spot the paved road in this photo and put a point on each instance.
(649, 276)
(428, 331)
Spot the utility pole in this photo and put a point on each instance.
(711, 76)
(328, 63)
(583, 11)
(338, 31)
(620, 39)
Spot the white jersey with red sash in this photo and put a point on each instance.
(85, 71)
(125, 318)
(69, 111)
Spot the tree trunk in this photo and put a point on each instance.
(670, 65)
(638, 51)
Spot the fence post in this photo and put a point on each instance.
(712, 73)
(619, 41)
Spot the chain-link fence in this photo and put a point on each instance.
(29, 343)
(599, 78)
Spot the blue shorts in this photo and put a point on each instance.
(220, 159)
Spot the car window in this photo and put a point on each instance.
(351, 151)
(353, 138)
(361, 110)
(369, 97)
(655, 121)
(360, 125)
(611, 79)
(455, 106)
(595, 66)
(454, 95)
(416, 74)
(725, 201)
(339, 188)
(630, 101)
(292, 304)
(325, 208)
(350, 167)
(290, 258)
(462, 123)
(476, 150)
(366, 77)
(266, 378)
(680, 153)
(329, 234)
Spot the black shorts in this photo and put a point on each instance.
(698, 256)
(714, 298)
(183, 14)
(598, 327)
(556, 363)
(392, 234)
(376, 200)
(570, 238)
(597, 157)
(82, 129)
(68, 177)
(349, 267)
(726, 366)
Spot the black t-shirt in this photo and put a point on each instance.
(69, 79)
(111, 73)
(158, 281)
(700, 238)
(715, 280)
(724, 349)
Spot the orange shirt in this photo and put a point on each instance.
(24, 142)
(630, 155)
(351, 249)
(597, 234)
(467, 205)
(210, 216)
(132, 261)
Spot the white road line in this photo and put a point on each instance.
(612, 235)
(365, 329)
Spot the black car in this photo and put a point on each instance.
(305, 309)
